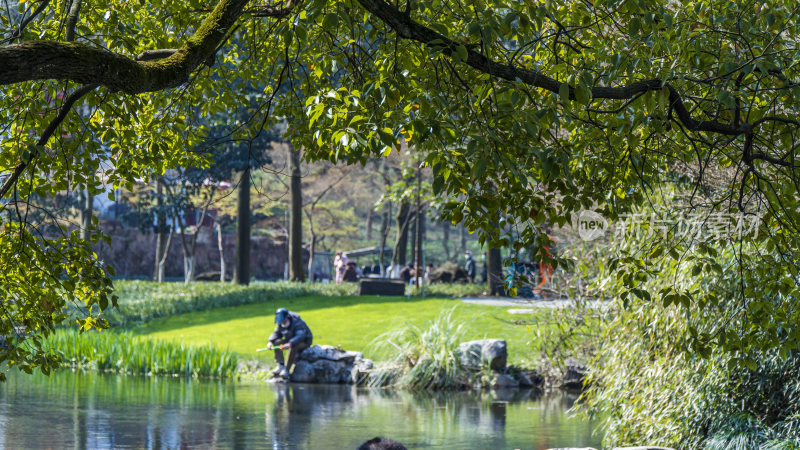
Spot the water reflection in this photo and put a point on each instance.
(104, 411)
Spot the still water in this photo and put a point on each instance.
(90, 410)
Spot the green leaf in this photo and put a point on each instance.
(330, 22)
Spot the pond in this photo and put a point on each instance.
(91, 410)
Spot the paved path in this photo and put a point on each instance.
(524, 305)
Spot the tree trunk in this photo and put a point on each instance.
(385, 217)
(161, 230)
(189, 259)
(420, 264)
(311, 249)
(463, 230)
(241, 273)
(412, 236)
(446, 239)
(86, 210)
(495, 271)
(296, 269)
(401, 243)
(163, 261)
(221, 252)
(370, 219)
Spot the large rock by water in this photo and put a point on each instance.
(326, 364)
(574, 375)
(492, 352)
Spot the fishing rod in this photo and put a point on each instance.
(274, 347)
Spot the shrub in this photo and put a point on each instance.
(145, 300)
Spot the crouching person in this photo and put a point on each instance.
(291, 334)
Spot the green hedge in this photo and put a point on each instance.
(141, 301)
(145, 300)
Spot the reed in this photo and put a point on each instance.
(127, 353)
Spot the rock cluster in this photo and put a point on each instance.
(493, 355)
(327, 364)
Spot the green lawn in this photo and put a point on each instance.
(351, 322)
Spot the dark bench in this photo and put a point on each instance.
(381, 286)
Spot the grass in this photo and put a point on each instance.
(126, 353)
(350, 322)
(425, 358)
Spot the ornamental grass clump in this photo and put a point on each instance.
(423, 358)
(127, 353)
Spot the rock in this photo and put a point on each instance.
(328, 365)
(646, 447)
(530, 379)
(449, 272)
(574, 375)
(492, 352)
(573, 448)
(361, 370)
(501, 381)
(317, 352)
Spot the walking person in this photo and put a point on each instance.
(339, 266)
(291, 333)
(469, 266)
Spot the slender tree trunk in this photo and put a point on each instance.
(385, 224)
(446, 239)
(370, 219)
(241, 273)
(86, 209)
(296, 269)
(161, 230)
(311, 249)
(463, 231)
(221, 248)
(189, 259)
(495, 271)
(163, 261)
(401, 242)
(412, 236)
(420, 267)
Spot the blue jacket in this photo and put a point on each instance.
(296, 332)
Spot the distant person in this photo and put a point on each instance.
(366, 270)
(376, 269)
(291, 334)
(339, 265)
(407, 273)
(428, 272)
(350, 273)
(379, 443)
(469, 266)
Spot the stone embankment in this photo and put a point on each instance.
(486, 360)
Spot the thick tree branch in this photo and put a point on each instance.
(406, 28)
(90, 65)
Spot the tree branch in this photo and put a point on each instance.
(409, 29)
(90, 65)
(62, 113)
(18, 32)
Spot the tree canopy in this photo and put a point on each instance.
(527, 113)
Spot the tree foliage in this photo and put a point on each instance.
(526, 113)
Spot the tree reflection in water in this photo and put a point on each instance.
(109, 411)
